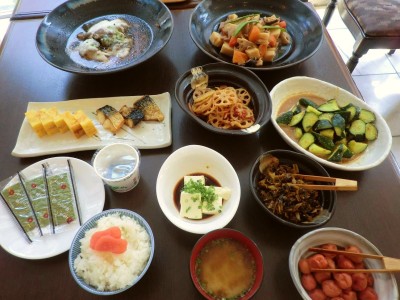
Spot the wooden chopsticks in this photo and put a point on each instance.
(339, 183)
(390, 264)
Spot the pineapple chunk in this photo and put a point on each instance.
(73, 124)
(47, 122)
(34, 120)
(86, 123)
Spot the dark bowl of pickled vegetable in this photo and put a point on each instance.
(274, 180)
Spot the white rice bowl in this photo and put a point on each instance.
(107, 271)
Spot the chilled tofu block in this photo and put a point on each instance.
(223, 192)
(212, 208)
(195, 178)
(190, 205)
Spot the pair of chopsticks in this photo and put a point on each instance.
(339, 183)
(390, 264)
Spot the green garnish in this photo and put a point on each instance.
(241, 18)
(273, 27)
(241, 25)
(207, 192)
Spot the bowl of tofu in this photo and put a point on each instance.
(197, 189)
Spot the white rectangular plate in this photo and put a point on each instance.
(145, 135)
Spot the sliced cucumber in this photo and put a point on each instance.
(356, 147)
(319, 151)
(297, 118)
(285, 118)
(330, 106)
(322, 124)
(326, 116)
(314, 110)
(337, 154)
(371, 132)
(357, 128)
(353, 110)
(298, 133)
(346, 152)
(339, 125)
(309, 120)
(329, 133)
(345, 115)
(324, 141)
(296, 109)
(366, 116)
(306, 140)
(306, 102)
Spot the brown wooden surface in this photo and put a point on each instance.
(30, 9)
(24, 76)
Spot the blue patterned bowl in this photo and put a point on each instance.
(76, 249)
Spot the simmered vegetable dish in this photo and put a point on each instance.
(251, 39)
(275, 189)
(329, 131)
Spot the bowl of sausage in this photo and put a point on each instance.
(304, 266)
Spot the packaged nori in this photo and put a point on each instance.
(15, 198)
(63, 203)
(36, 189)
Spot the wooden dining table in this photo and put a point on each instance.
(372, 211)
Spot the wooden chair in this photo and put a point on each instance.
(374, 24)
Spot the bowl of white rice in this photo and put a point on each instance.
(105, 272)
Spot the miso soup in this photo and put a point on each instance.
(226, 269)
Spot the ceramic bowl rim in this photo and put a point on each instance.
(87, 226)
(220, 220)
(238, 236)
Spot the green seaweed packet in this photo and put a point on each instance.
(37, 193)
(63, 199)
(15, 198)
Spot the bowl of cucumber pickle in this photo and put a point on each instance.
(329, 124)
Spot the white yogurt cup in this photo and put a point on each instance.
(118, 166)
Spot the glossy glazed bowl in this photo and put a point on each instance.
(227, 233)
(377, 150)
(303, 25)
(306, 166)
(384, 283)
(55, 38)
(230, 75)
(92, 223)
(194, 159)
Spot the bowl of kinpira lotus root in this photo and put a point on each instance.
(329, 124)
(224, 98)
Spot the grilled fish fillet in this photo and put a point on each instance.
(149, 108)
